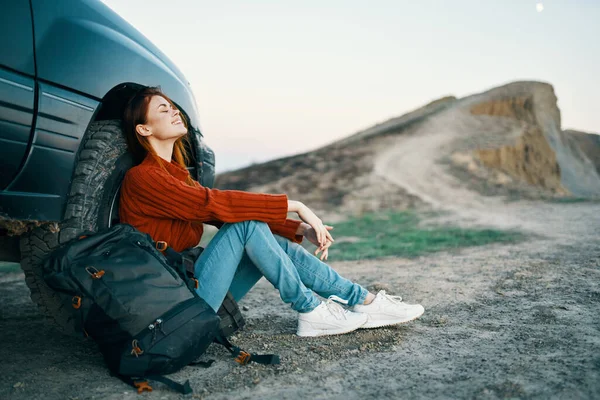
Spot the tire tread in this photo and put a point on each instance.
(102, 145)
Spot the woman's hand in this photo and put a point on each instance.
(321, 233)
(325, 250)
(311, 235)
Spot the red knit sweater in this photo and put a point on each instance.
(164, 206)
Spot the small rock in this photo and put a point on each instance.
(256, 381)
(245, 308)
(18, 385)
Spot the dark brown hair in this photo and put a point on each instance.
(136, 112)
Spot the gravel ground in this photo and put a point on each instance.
(517, 321)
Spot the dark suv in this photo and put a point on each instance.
(67, 67)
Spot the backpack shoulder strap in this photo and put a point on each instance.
(243, 357)
(142, 385)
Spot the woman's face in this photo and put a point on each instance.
(163, 121)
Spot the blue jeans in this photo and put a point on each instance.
(241, 253)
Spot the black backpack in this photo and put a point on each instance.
(140, 306)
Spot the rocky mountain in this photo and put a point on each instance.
(589, 143)
(506, 141)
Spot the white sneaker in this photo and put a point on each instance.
(387, 310)
(329, 318)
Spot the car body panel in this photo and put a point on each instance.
(16, 52)
(17, 87)
(83, 51)
(17, 95)
(49, 166)
(98, 41)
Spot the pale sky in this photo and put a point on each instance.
(280, 77)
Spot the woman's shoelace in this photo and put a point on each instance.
(336, 309)
(393, 299)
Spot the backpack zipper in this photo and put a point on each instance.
(186, 309)
(154, 327)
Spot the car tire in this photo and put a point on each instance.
(92, 204)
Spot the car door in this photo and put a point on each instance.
(17, 86)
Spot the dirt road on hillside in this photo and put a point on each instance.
(415, 163)
(501, 321)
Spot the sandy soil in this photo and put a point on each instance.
(501, 321)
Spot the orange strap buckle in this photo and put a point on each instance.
(161, 245)
(243, 358)
(98, 274)
(76, 302)
(82, 237)
(94, 272)
(136, 350)
(196, 284)
(142, 386)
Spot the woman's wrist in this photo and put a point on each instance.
(294, 206)
(302, 228)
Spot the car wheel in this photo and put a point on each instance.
(92, 204)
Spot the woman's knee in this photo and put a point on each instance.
(245, 226)
(253, 223)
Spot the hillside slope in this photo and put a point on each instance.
(589, 143)
(505, 141)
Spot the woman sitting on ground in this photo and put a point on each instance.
(159, 197)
